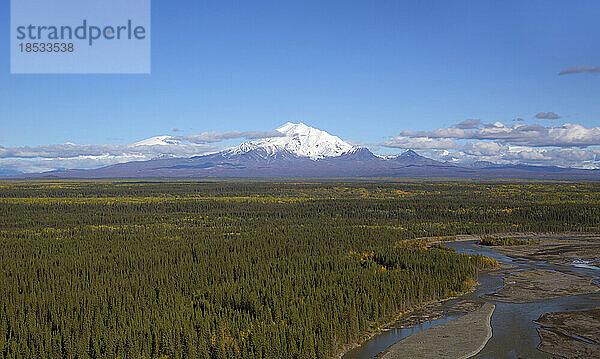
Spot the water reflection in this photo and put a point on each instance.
(514, 333)
(382, 341)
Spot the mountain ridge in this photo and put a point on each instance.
(297, 150)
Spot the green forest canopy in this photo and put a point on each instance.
(250, 270)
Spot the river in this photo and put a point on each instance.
(514, 332)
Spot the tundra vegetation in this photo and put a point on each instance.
(103, 269)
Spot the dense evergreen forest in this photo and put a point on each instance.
(103, 269)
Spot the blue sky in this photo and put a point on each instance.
(364, 71)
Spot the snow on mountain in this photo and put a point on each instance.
(158, 141)
(295, 151)
(295, 140)
(301, 140)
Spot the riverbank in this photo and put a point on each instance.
(469, 334)
(534, 285)
(541, 280)
(560, 249)
(410, 317)
(545, 236)
(571, 334)
(561, 286)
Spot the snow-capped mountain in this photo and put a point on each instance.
(158, 141)
(300, 140)
(297, 150)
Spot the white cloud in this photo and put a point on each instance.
(469, 124)
(34, 165)
(567, 135)
(71, 150)
(483, 148)
(501, 154)
(567, 145)
(419, 143)
(70, 155)
(213, 136)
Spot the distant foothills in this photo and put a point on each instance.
(300, 151)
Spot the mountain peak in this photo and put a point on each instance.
(410, 157)
(404, 155)
(410, 153)
(290, 127)
(157, 141)
(301, 140)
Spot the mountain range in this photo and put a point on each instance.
(297, 150)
